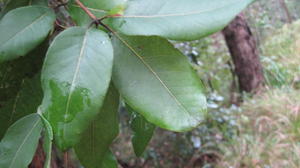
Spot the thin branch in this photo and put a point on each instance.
(108, 28)
(58, 24)
(95, 19)
(86, 10)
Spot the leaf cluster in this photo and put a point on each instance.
(67, 82)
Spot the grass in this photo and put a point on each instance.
(269, 124)
(269, 132)
(281, 55)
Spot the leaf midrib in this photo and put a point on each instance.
(28, 26)
(92, 9)
(15, 104)
(155, 74)
(25, 139)
(75, 75)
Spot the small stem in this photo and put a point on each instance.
(58, 24)
(107, 28)
(86, 10)
(96, 20)
(66, 157)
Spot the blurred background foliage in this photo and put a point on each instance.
(261, 132)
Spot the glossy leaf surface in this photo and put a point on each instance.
(95, 141)
(98, 8)
(75, 78)
(23, 29)
(156, 80)
(142, 131)
(18, 146)
(178, 19)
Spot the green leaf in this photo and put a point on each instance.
(156, 80)
(75, 77)
(98, 8)
(81, 18)
(38, 2)
(109, 160)
(20, 86)
(12, 73)
(23, 29)
(95, 141)
(25, 102)
(18, 146)
(142, 131)
(48, 137)
(12, 4)
(119, 9)
(178, 19)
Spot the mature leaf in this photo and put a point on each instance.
(12, 4)
(25, 102)
(81, 18)
(22, 29)
(178, 19)
(20, 78)
(75, 78)
(142, 131)
(156, 80)
(95, 141)
(98, 8)
(12, 73)
(48, 137)
(109, 160)
(18, 146)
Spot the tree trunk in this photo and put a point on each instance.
(242, 47)
(286, 10)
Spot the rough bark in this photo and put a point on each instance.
(243, 49)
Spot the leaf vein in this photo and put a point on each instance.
(15, 104)
(175, 14)
(28, 26)
(154, 73)
(75, 75)
(25, 139)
